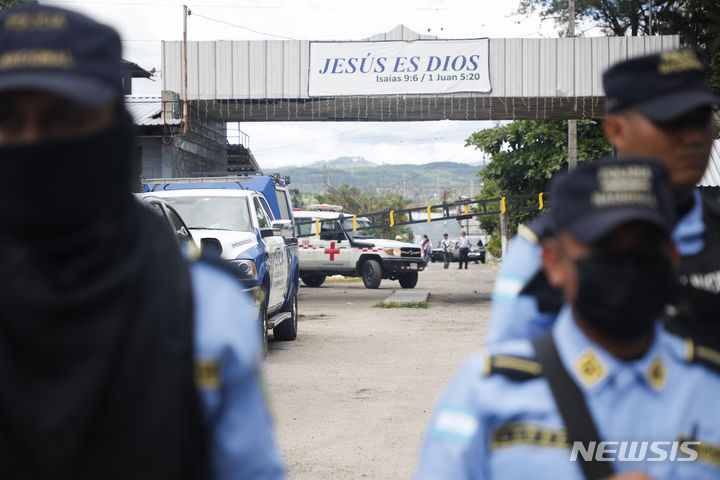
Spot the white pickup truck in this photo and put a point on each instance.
(338, 250)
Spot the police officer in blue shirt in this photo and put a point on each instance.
(608, 391)
(658, 106)
(118, 359)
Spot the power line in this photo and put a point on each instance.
(241, 26)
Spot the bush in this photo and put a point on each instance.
(494, 246)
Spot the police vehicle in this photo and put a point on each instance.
(335, 249)
(234, 217)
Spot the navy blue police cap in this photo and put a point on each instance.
(598, 197)
(62, 52)
(662, 86)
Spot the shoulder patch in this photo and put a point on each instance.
(703, 355)
(514, 368)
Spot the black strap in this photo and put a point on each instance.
(571, 404)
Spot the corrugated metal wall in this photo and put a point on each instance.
(278, 69)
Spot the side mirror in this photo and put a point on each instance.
(266, 232)
(211, 245)
(282, 225)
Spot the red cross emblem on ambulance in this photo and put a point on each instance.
(332, 251)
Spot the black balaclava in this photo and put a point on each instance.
(95, 320)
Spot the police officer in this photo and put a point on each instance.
(118, 359)
(464, 246)
(607, 372)
(659, 106)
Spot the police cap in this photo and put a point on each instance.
(59, 51)
(599, 196)
(661, 86)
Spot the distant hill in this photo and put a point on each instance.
(411, 181)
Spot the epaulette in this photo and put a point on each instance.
(514, 368)
(536, 230)
(705, 356)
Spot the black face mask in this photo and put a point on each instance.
(622, 294)
(56, 187)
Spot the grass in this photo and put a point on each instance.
(342, 280)
(422, 304)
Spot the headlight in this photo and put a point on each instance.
(246, 269)
(393, 251)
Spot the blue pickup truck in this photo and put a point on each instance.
(248, 221)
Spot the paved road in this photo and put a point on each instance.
(351, 397)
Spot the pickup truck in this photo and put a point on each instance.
(249, 222)
(338, 250)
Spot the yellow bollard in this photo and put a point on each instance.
(502, 202)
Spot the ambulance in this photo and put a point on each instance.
(352, 248)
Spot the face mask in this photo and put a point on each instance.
(622, 294)
(54, 187)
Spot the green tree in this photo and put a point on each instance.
(11, 3)
(489, 223)
(616, 17)
(696, 21)
(355, 201)
(527, 153)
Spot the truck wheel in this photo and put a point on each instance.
(287, 330)
(371, 273)
(313, 280)
(262, 320)
(408, 280)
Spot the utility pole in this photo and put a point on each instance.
(650, 17)
(572, 124)
(186, 12)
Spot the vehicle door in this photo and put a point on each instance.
(306, 245)
(276, 258)
(333, 251)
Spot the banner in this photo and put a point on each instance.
(386, 68)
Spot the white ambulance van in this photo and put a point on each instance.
(335, 249)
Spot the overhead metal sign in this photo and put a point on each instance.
(398, 67)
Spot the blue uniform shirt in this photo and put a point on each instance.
(514, 315)
(227, 351)
(489, 426)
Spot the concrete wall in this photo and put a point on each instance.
(203, 150)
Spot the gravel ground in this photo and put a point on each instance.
(351, 397)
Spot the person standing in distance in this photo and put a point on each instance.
(446, 246)
(659, 106)
(426, 246)
(608, 371)
(118, 358)
(464, 246)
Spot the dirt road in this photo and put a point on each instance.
(351, 397)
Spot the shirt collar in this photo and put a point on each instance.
(594, 368)
(689, 230)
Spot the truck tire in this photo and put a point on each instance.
(287, 330)
(408, 280)
(313, 280)
(262, 321)
(371, 273)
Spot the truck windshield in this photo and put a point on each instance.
(213, 213)
(360, 234)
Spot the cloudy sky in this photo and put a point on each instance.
(143, 24)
